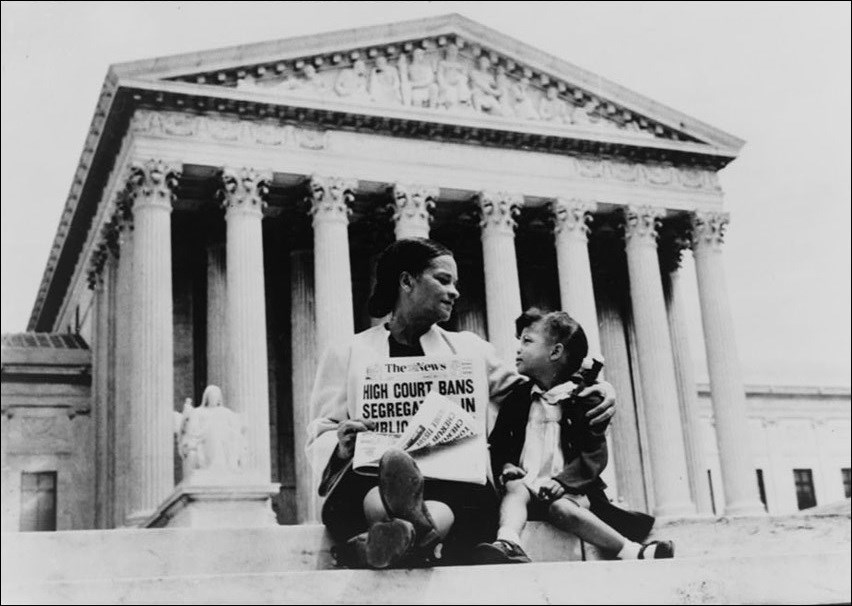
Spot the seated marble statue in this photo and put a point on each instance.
(211, 436)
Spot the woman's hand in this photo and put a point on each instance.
(346, 432)
(605, 409)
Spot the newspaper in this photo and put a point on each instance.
(433, 438)
(431, 407)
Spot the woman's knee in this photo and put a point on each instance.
(442, 516)
(374, 509)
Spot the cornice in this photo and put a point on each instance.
(414, 122)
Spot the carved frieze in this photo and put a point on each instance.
(268, 133)
(221, 129)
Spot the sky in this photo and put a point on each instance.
(774, 74)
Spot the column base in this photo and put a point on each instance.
(745, 509)
(676, 510)
(137, 519)
(217, 501)
(690, 518)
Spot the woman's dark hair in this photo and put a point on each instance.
(408, 254)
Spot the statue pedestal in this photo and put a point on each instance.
(217, 499)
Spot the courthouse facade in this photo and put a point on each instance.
(228, 207)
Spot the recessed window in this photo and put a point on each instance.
(805, 495)
(38, 501)
(761, 488)
(847, 482)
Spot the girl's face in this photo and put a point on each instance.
(433, 293)
(535, 349)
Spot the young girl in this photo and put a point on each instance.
(547, 456)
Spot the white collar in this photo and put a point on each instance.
(555, 393)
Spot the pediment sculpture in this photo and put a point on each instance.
(447, 79)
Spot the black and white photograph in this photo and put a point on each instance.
(426, 302)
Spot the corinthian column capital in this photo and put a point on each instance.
(330, 198)
(708, 229)
(244, 190)
(498, 210)
(641, 224)
(572, 217)
(152, 183)
(413, 203)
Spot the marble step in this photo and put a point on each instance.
(129, 553)
(812, 578)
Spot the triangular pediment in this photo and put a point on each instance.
(444, 66)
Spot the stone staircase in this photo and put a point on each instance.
(792, 559)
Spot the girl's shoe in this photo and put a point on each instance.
(664, 550)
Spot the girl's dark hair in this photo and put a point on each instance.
(561, 328)
(408, 254)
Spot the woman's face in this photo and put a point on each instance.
(433, 293)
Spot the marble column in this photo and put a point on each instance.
(412, 215)
(122, 371)
(659, 386)
(723, 365)
(685, 377)
(304, 355)
(576, 290)
(626, 453)
(413, 205)
(243, 192)
(216, 313)
(575, 272)
(100, 399)
(102, 279)
(472, 320)
(151, 188)
(502, 287)
(111, 393)
(329, 199)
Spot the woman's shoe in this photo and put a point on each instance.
(352, 553)
(388, 543)
(401, 489)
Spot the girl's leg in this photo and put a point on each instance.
(513, 511)
(567, 515)
(513, 517)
